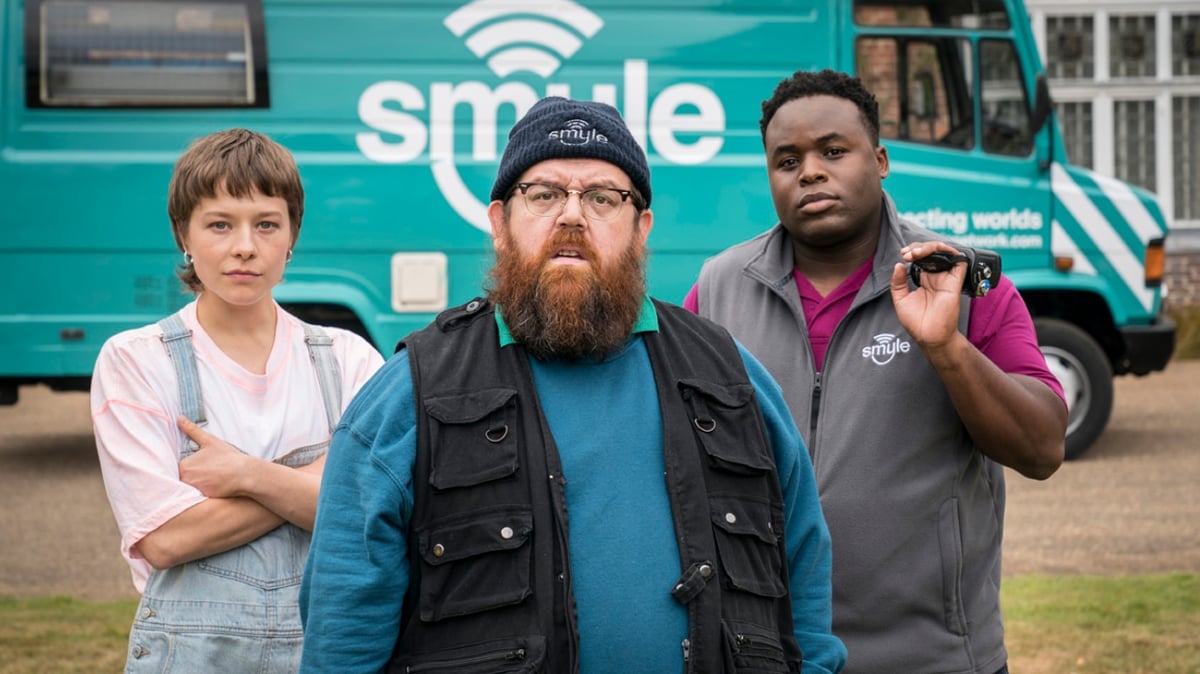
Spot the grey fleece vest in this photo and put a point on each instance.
(490, 586)
(915, 511)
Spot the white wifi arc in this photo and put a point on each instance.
(534, 39)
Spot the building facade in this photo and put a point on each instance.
(1125, 77)
(1126, 80)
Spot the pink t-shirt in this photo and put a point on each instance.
(135, 400)
(999, 325)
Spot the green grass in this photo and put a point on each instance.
(1055, 625)
(1103, 625)
(60, 635)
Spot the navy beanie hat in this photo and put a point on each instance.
(561, 128)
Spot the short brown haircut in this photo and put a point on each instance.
(241, 162)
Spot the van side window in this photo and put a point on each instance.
(924, 86)
(145, 53)
(1006, 124)
(973, 14)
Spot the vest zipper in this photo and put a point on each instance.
(687, 650)
(816, 407)
(558, 500)
(754, 645)
(454, 665)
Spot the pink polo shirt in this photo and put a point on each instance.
(999, 325)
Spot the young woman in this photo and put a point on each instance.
(212, 424)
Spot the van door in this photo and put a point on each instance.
(955, 117)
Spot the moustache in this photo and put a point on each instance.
(568, 238)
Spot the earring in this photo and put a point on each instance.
(187, 259)
(289, 256)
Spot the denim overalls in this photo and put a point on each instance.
(236, 611)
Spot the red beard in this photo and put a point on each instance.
(571, 312)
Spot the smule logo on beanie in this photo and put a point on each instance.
(577, 132)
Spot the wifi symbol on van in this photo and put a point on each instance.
(531, 36)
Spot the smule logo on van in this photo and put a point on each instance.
(504, 42)
(683, 123)
(885, 348)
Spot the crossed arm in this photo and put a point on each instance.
(247, 497)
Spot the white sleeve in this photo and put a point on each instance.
(134, 406)
(359, 361)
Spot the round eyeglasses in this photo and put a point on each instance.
(546, 199)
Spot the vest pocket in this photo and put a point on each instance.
(725, 421)
(951, 549)
(473, 437)
(747, 545)
(755, 649)
(475, 561)
(521, 654)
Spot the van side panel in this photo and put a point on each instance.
(397, 127)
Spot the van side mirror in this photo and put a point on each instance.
(1042, 105)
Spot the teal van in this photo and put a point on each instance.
(397, 112)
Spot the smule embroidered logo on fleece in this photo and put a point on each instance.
(885, 348)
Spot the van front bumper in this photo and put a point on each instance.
(1148, 347)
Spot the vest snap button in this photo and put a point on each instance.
(706, 570)
(438, 550)
(506, 533)
(730, 517)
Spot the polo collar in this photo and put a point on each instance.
(647, 321)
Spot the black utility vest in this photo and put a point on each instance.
(490, 575)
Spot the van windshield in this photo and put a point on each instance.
(969, 14)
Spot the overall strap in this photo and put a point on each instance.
(320, 350)
(177, 339)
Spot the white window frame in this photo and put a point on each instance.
(1103, 92)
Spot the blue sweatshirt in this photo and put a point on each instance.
(605, 420)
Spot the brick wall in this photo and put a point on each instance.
(1183, 278)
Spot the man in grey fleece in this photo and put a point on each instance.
(910, 399)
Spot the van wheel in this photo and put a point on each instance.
(1086, 377)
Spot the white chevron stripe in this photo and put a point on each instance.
(1128, 266)
(1061, 244)
(1131, 207)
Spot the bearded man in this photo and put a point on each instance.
(569, 475)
